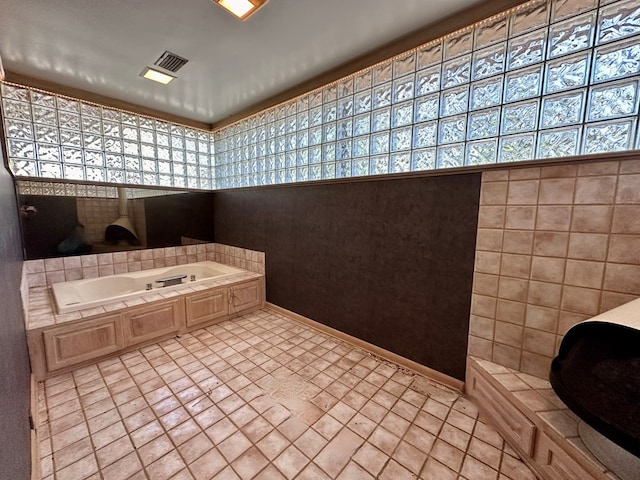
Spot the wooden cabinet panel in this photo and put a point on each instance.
(207, 306)
(60, 348)
(555, 462)
(78, 342)
(153, 321)
(245, 296)
(511, 422)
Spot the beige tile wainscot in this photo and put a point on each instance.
(60, 342)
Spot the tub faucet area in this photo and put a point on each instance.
(173, 280)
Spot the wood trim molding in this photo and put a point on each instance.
(102, 100)
(449, 24)
(374, 349)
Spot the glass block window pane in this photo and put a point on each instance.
(379, 165)
(613, 136)
(362, 102)
(618, 20)
(74, 172)
(428, 81)
(360, 167)
(456, 71)
(44, 99)
(427, 108)
(617, 60)
(401, 139)
(361, 125)
(482, 152)
(17, 110)
(451, 156)
(403, 89)
(457, 44)
(564, 109)
(572, 35)
(486, 93)
(71, 138)
(25, 168)
(425, 135)
(491, 31)
(489, 61)
(402, 114)
(69, 120)
(21, 149)
(362, 81)
(379, 143)
(46, 133)
(382, 73)
(424, 159)
(19, 129)
(523, 84)
(400, 162)
(382, 96)
(566, 8)
(517, 148)
(533, 15)
(613, 101)
(519, 117)
(404, 65)
(381, 120)
(50, 170)
(429, 54)
(452, 129)
(525, 50)
(361, 146)
(483, 124)
(558, 143)
(567, 72)
(44, 115)
(14, 92)
(454, 101)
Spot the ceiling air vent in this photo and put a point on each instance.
(170, 61)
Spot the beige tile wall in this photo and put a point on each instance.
(40, 273)
(98, 213)
(556, 245)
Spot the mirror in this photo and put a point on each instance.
(61, 219)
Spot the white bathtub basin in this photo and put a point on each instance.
(93, 292)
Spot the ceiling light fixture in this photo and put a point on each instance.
(156, 75)
(242, 9)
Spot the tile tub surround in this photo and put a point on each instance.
(556, 245)
(263, 397)
(42, 313)
(41, 273)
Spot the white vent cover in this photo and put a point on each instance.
(170, 61)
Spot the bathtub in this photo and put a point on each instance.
(79, 294)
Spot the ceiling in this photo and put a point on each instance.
(102, 46)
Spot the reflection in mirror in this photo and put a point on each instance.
(60, 219)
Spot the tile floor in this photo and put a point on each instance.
(262, 397)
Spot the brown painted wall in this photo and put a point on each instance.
(388, 261)
(170, 217)
(54, 221)
(14, 360)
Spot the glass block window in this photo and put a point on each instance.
(546, 79)
(51, 136)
